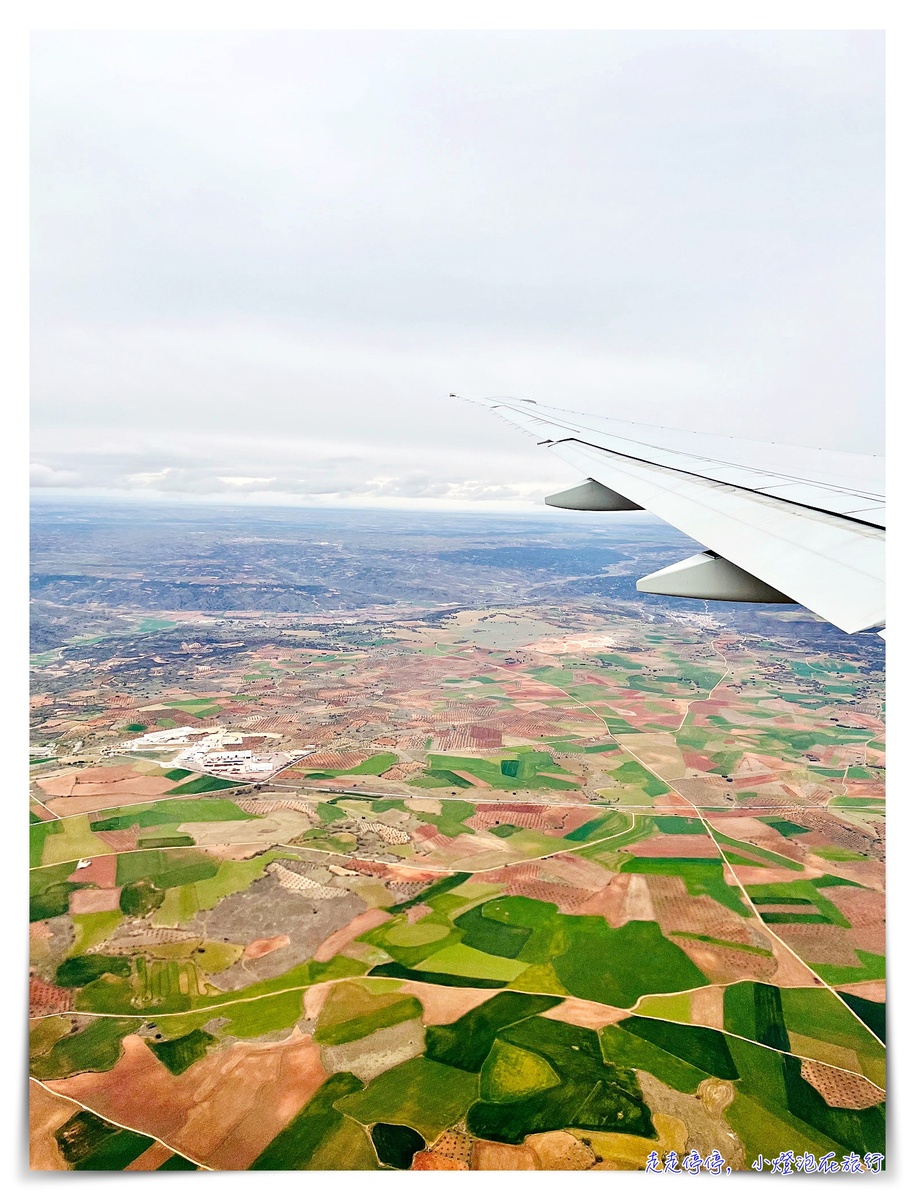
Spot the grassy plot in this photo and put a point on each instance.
(436, 889)
(183, 900)
(89, 1143)
(295, 1146)
(522, 769)
(754, 1010)
(784, 827)
(617, 966)
(49, 890)
(492, 936)
(705, 1049)
(71, 837)
(702, 877)
(779, 1096)
(377, 764)
(466, 1043)
(203, 783)
(802, 892)
(633, 774)
(871, 1012)
(426, 1096)
(97, 1047)
(449, 821)
(462, 960)
(352, 1012)
(173, 812)
(817, 1013)
(635, 829)
(165, 868)
(589, 1093)
(774, 1107)
(180, 1053)
(873, 967)
(605, 825)
(39, 832)
(177, 1162)
(395, 1145)
(90, 929)
(512, 1073)
(77, 972)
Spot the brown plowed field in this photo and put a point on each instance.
(46, 1114)
(608, 902)
(867, 991)
(45, 998)
(454, 1145)
(724, 965)
(820, 943)
(683, 845)
(496, 1156)
(101, 871)
(105, 781)
(427, 1160)
(840, 1089)
(94, 900)
(589, 1014)
(342, 937)
(859, 906)
(442, 1005)
(223, 1110)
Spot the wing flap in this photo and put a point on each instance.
(809, 523)
(829, 564)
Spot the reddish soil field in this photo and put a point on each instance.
(608, 902)
(820, 943)
(841, 1089)
(46, 1114)
(121, 839)
(426, 1160)
(223, 1110)
(497, 1156)
(105, 781)
(101, 870)
(46, 998)
(263, 946)
(442, 1005)
(685, 845)
(697, 762)
(342, 937)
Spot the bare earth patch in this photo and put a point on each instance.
(47, 1113)
(702, 1115)
(378, 1052)
(496, 1156)
(223, 1110)
(442, 1005)
(588, 1014)
(261, 946)
(560, 1151)
(94, 900)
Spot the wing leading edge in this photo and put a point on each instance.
(781, 523)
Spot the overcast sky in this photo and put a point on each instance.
(262, 261)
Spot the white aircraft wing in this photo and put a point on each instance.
(781, 523)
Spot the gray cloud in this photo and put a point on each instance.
(262, 260)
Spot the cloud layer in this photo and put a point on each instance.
(263, 260)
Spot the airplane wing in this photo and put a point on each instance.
(783, 524)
